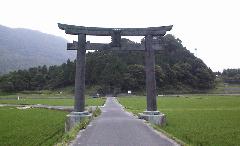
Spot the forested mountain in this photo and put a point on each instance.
(176, 70)
(24, 48)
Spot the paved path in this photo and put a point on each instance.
(115, 127)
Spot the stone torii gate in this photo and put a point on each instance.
(151, 45)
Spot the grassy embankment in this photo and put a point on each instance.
(197, 120)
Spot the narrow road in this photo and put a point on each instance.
(115, 127)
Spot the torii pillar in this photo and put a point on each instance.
(150, 74)
(79, 112)
(151, 114)
(79, 99)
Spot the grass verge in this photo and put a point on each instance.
(69, 136)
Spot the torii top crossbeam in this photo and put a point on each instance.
(98, 31)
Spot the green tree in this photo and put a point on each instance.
(134, 78)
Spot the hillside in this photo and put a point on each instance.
(177, 71)
(24, 48)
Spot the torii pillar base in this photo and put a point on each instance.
(74, 118)
(154, 117)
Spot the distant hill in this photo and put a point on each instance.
(107, 72)
(23, 48)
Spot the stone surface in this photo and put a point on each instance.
(157, 46)
(154, 117)
(150, 74)
(98, 31)
(115, 127)
(74, 118)
(79, 102)
(151, 112)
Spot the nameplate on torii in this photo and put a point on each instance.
(156, 44)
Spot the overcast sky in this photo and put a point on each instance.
(211, 26)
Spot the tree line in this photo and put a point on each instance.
(116, 71)
(231, 76)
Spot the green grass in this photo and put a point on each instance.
(30, 126)
(64, 102)
(197, 120)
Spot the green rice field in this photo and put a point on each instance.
(196, 120)
(35, 126)
(30, 127)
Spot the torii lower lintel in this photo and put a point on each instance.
(156, 44)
